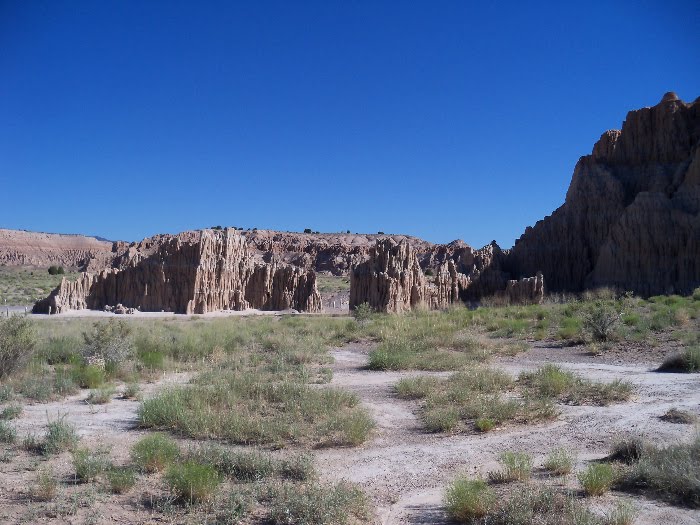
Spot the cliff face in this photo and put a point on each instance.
(194, 272)
(392, 280)
(631, 216)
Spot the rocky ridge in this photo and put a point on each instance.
(193, 272)
(631, 219)
(392, 280)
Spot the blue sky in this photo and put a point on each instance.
(438, 119)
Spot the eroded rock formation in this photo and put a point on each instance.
(631, 219)
(392, 280)
(193, 272)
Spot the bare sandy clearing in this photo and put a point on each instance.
(404, 469)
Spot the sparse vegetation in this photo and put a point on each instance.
(597, 479)
(552, 381)
(686, 361)
(560, 462)
(101, 396)
(683, 417)
(121, 479)
(192, 482)
(517, 466)
(60, 436)
(88, 464)
(468, 500)
(46, 486)
(316, 504)
(669, 473)
(154, 452)
(7, 433)
(17, 342)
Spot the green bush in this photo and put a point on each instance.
(193, 482)
(110, 341)
(597, 479)
(560, 462)
(121, 479)
(363, 313)
(468, 500)
(17, 342)
(154, 452)
(7, 433)
(517, 466)
(56, 270)
(60, 436)
(670, 473)
(10, 412)
(88, 465)
(315, 504)
(686, 361)
(88, 376)
(101, 396)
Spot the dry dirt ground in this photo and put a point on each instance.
(405, 469)
(402, 468)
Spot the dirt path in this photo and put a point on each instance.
(404, 469)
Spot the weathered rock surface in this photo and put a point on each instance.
(631, 219)
(193, 272)
(392, 280)
(23, 248)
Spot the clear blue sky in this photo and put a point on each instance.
(439, 119)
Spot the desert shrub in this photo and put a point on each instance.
(443, 419)
(46, 486)
(597, 479)
(56, 270)
(154, 452)
(110, 341)
(570, 329)
(627, 450)
(17, 342)
(88, 464)
(560, 462)
(624, 513)
(552, 381)
(7, 433)
(192, 482)
(517, 466)
(88, 376)
(363, 313)
(415, 387)
(101, 396)
(670, 473)
(235, 508)
(152, 360)
(63, 383)
(533, 504)
(686, 361)
(10, 412)
(60, 350)
(484, 424)
(60, 436)
(696, 294)
(674, 415)
(316, 504)
(468, 500)
(6, 393)
(121, 479)
(600, 320)
(37, 387)
(131, 391)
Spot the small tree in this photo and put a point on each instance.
(307, 230)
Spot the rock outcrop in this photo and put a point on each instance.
(631, 219)
(193, 272)
(23, 248)
(392, 280)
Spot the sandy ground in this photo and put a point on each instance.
(405, 469)
(402, 468)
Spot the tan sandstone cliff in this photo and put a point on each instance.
(392, 280)
(631, 219)
(193, 272)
